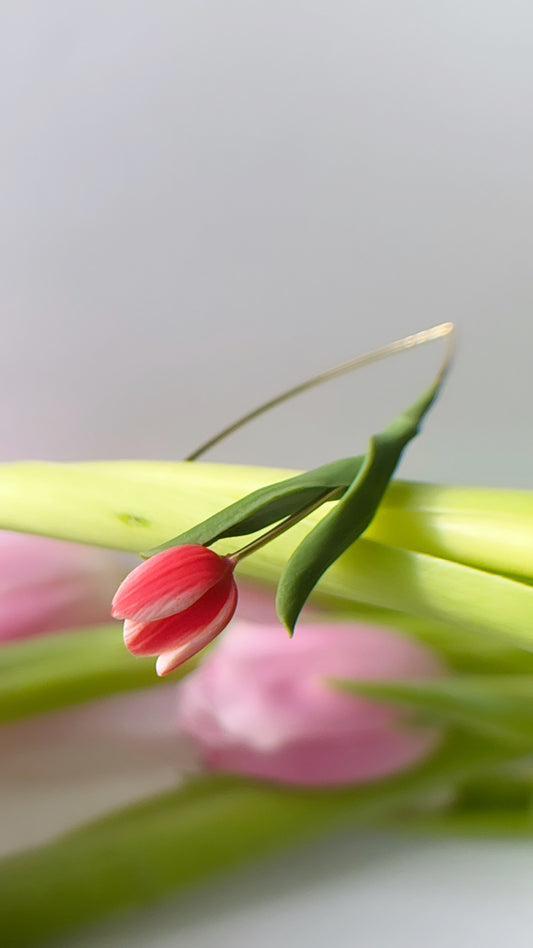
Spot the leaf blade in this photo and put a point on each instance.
(351, 516)
(268, 505)
(499, 708)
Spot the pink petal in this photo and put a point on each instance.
(163, 635)
(262, 705)
(47, 585)
(330, 761)
(168, 661)
(168, 583)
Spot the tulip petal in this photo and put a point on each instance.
(168, 583)
(168, 661)
(262, 705)
(163, 635)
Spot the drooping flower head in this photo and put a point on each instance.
(175, 603)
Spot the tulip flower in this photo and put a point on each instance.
(175, 603)
(48, 585)
(261, 705)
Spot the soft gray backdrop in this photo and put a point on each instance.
(204, 202)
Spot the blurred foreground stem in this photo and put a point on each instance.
(55, 671)
(142, 854)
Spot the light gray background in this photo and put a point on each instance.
(203, 202)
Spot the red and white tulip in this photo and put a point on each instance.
(175, 603)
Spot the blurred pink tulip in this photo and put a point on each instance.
(260, 704)
(48, 585)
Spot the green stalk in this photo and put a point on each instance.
(139, 855)
(415, 584)
(496, 803)
(499, 823)
(482, 527)
(55, 671)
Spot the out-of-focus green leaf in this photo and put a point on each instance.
(483, 527)
(463, 649)
(505, 788)
(487, 823)
(55, 671)
(141, 854)
(127, 505)
(499, 707)
(499, 802)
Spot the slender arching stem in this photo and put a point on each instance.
(443, 330)
(284, 525)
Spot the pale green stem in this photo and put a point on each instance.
(135, 505)
(418, 585)
(483, 527)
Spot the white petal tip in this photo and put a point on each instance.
(166, 663)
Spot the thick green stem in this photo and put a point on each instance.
(481, 527)
(418, 585)
(136, 505)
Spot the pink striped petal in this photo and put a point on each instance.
(168, 583)
(213, 610)
(169, 661)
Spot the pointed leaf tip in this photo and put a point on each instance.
(353, 512)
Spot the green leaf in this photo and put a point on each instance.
(507, 787)
(498, 707)
(498, 802)
(269, 504)
(429, 588)
(498, 823)
(133, 505)
(482, 527)
(127, 505)
(55, 671)
(139, 855)
(462, 648)
(351, 515)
